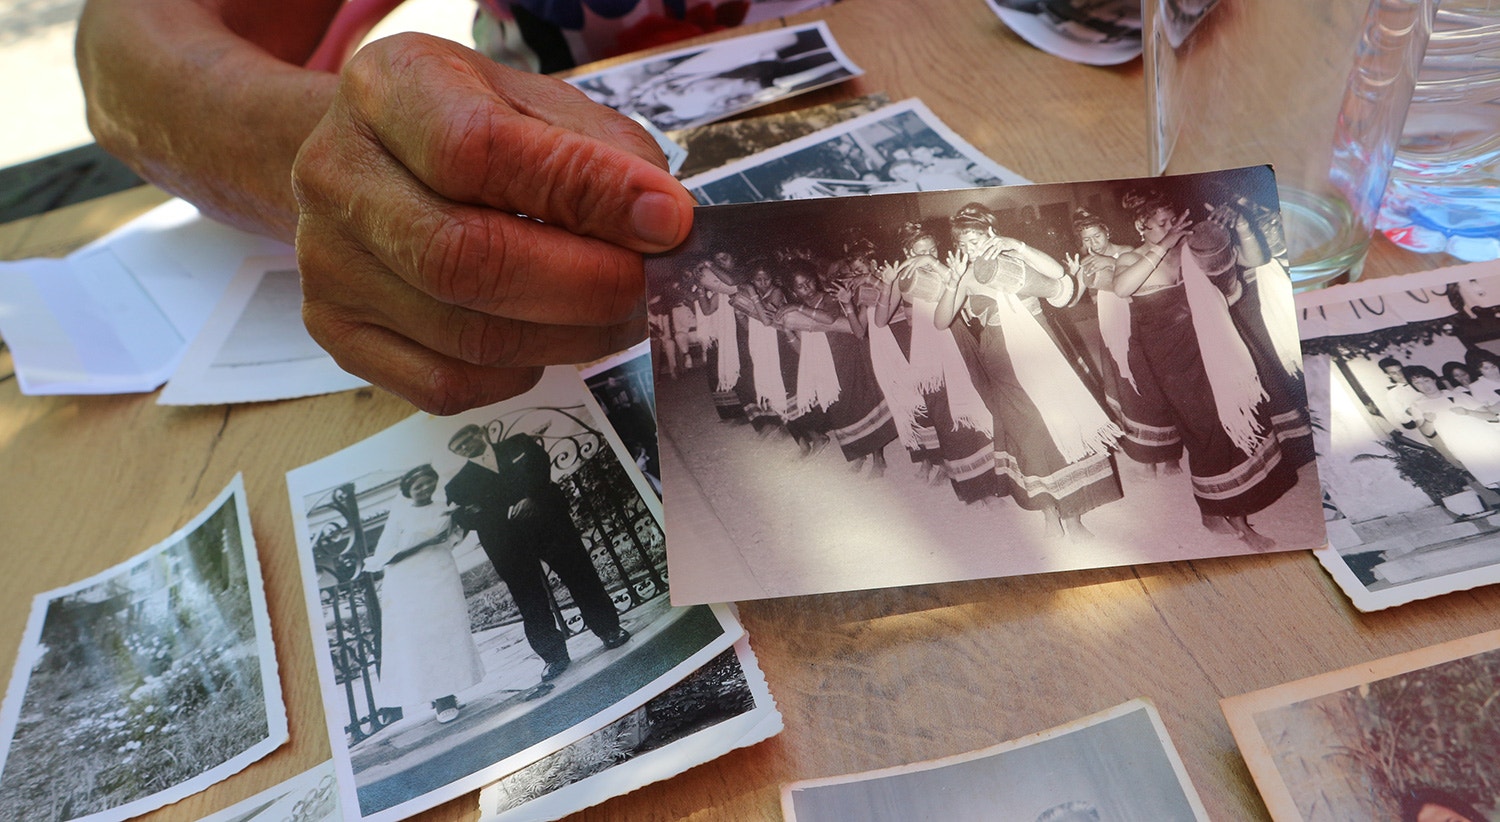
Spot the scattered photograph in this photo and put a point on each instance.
(1409, 737)
(902, 147)
(1405, 394)
(492, 588)
(723, 706)
(980, 383)
(717, 144)
(623, 387)
(254, 347)
(1118, 764)
(145, 683)
(311, 796)
(1092, 32)
(701, 84)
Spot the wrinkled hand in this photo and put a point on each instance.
(419, 272)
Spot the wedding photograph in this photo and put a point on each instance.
(983, 382)
(492, 587)
(1407, 394)
(1118, 765)
(145, 683)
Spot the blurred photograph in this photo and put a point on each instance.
(1408, 737)
(146, 683)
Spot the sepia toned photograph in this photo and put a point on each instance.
(701, 84)
(1406, 376)
(253, 347)
(1409, 737)
(722, 706)
(145, 683)
(492, 587)
(902, 147)
(983, 382)
(717, 144)
(1116, 766)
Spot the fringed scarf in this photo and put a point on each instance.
(817, 379)
(937, 364)
(719, 328)
(770, 390)
(893, 374)
(1114, 327)
(1231, 372)
(1274, 286)
(1076, 423)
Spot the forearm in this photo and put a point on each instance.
(206, 101)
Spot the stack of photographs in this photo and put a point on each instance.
(494, 607)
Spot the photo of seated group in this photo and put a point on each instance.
(922, 387)
(1407, 377)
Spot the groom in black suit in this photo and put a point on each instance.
(505, 494)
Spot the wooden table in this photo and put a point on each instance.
(864, 680)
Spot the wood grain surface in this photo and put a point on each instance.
(865, 680)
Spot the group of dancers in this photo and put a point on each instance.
(956, 349)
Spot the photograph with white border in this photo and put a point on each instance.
(901, 147)
(310, 796)
(701, 84)
(145, 683)
(1117, 765)
(491, 587)
(721, 707)
(1091, 32)
(999, 406)
(1404, 382)
(254, 347)
(717, 144)
(1411, 736)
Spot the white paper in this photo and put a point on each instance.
(254, 347)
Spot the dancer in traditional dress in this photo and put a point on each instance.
(1052, 439)
(952, 422)
(774, 355)
(719, 329)
(1187, 357)
(427, 653)
(1150, 436)
(834, 371)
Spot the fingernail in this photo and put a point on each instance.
(656, 218)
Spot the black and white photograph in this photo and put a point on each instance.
(310, 796)
(1407, 397)
(492, 587)
(717, 144)
(624, 388)
(1092, 32)
(984, 382)
(701, 84)
(145, 683)
(1118, 765)
(1410, 737)
(902, 147)
(720, 707)
(254, 348)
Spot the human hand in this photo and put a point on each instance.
(420, 272)
(1180, 227)
(1072, 262)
